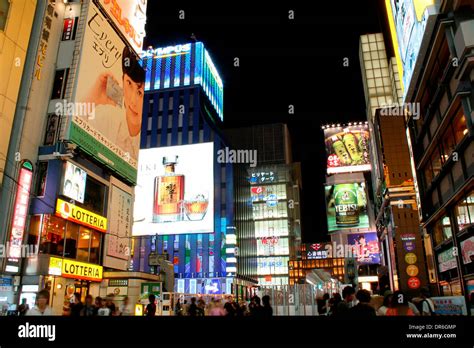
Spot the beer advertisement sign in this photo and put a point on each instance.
(346, 206)
(347, 148)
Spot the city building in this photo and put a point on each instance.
(16, 22)
(349, 202)
(396, 208)
(182, 116)
(437, 79)
(269, 234)
(78, 137)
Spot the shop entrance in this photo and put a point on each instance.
(82, 287)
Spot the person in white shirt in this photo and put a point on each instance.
(41, 307)
(428, 306)
(121, 127)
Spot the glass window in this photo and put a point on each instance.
(460, 126)
(448, 143)
(95, 246)
(442, 230)
(34, 230)
(83, 244)
(436, 162)
(60, 79)
(51, 129)
(52, 235)
(41, 179)
(70, 242)
(94, 197)
(428, 174)
(4, 7)
(465, 212)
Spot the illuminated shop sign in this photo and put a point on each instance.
(76, 270)
(71, 212)
(169, 51)
(20, 209)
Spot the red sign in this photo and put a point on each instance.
(257, 190)
(68, 28)
(20, 210)
(414, 283)
(316, 246)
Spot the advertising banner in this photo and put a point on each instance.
(120, 225)
(346, 206)
(175, 190)
(107, 115)
(129, 16)
(450, 305)
(74, 182)
(347, 149)
(410, 21)
(366, 247)
(467, 250)
(447, 260)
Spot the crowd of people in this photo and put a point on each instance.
(76, 308)
(350, 304)
(231, 308)
(363, 304)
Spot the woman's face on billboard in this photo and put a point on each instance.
(133, 100)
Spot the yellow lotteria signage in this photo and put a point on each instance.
(81, 216)
(74, 269)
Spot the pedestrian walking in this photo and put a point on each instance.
(362, 309)
(42, 305)
(97, 305)
(193, 308)
(23, 307)
(103, 311)
(76, 306)
(382, 311)
(255, 307)
(150, 310)
(267, 310)
(426, 306)
(399, 305)
(126, 308)
(88, 309)
(343, 307)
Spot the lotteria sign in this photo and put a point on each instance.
(168, 51)
(75, 270)
(71, 212)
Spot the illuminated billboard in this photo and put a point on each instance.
(366, 247)
(175, 190)
(346, 206)
(129, 16)
(107, 114)
(347, 148)
(184, 65)
(411, 23)
(74, 182)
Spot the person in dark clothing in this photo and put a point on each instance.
(255, 307)
(23, 308)
(89, 309)
(76, 306)
(267, 310)
(111, 304)
(323, 305)
(193, 309)
(333, 302)
(343, 307)
(150, 310)
(362, 309)
(229, 307)
(97, 305)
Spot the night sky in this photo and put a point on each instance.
(282, 62)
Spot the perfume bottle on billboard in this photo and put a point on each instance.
(168, 193)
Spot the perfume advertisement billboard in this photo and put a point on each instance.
(175, 190)
(346, 206)
(366, 247)
(107, 113)
(347, 149)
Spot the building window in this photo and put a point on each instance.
(4, 8)
(442, 230)
(465, 212)
(52, 126)
(94, 197)
(41, 179)
(460, 127)
(436, 162)
(59, 86)
(52, 235)
(83, 244)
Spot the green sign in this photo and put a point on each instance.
(102, 153)
(150, 288)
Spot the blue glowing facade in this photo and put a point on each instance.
(181, 66)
